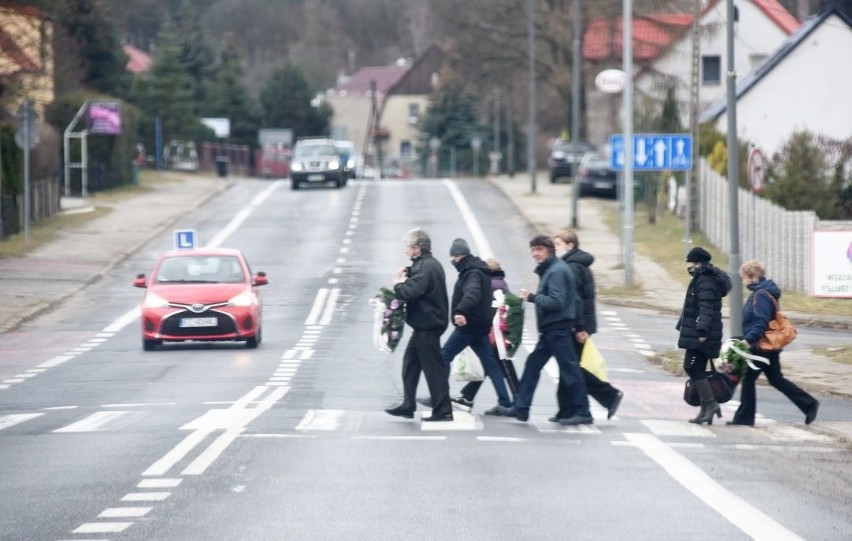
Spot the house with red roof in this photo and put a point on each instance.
(401, 93)
(662, 55)
(805, 85)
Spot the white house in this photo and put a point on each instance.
(662, 51)
(805, 85)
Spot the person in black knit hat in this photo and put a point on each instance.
(700, 326)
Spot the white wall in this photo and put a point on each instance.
(810, 89)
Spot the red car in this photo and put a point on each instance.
(201, 294)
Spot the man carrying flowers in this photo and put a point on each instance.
(423, 287)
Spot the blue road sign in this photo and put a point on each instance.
(186, 239)
(654, 152)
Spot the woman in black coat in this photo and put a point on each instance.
(700, 326)
(758, 310)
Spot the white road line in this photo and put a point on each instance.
(314, 314)
(328, 313)
(677, 428)
(734, 509)
(11, 420)
(501, 439)
(146, 496)
(205, 459)
(103, 421)
(125, 319)
(103, 527)
(164, 464)
(159, 483)
(483, 248)
(125, 512)
(56, 361)
(400, 438)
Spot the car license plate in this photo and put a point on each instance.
(314, 178)
(602, 185)
(198, 322)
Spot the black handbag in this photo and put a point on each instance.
(720, 385)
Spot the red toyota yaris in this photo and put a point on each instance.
(201, 294)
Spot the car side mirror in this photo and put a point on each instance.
(260, 279)
(140, 281)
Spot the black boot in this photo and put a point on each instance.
(709, 406)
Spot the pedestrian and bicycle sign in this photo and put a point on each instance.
(654, 152)
(186, 239)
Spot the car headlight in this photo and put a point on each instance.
(296, 166)
(154, 301)
(558, 154)
(350, 164)
(243, 299)
(333, 164)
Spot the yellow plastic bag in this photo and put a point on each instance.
(593, 361)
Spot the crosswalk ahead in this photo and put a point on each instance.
(364, 424)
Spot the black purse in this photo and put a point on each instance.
(720, 385)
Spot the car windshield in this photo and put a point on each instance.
(210, 269)
(565, 146)
(315, 151)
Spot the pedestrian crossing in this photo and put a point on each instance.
(365, 424)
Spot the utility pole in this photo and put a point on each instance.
(575, 115)
(377, 141)
(510, 132)
(694, 84)
(735, 298)
(496, 143)
(531, 127)
(627, 190)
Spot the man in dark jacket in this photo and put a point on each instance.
(423, 287)
(556, 313)
(472, 316)
(700, 326)
(567, 245)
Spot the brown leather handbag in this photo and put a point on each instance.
(780, 331)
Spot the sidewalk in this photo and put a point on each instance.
(42, 280)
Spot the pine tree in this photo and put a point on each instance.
(286, 103)
(196, 56)
(229, 98)
(169, 93)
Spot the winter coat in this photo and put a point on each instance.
(580, 262)
(702, 311)
(556, 298)
(425, 294)
(759, 310)
(472, 295)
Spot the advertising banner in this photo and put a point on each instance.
(105, 117)
(832, 264)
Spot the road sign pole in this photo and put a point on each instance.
(27, 126)
(735, 298)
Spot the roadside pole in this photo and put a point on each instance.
(627, 190)
(736, 295)
(531, 127)
(575, 115)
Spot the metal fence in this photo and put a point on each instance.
(782, 239)
(44, 203)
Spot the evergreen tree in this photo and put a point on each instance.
(802, 177)
(168, 89)
(102, 62)
(229, 98)
(196, 56)
(286, 102)
(452, 118)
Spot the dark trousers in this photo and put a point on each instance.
(598, 389)
(423, 354)
(487, 354)
(558, 344)
(748, 396)
(695, 364)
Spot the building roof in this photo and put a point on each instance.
(653, 33)
(359, 84)
(138, 60)
(10, 45)
(748, 82)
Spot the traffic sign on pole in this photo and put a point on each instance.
(654, 152)
(756, 169)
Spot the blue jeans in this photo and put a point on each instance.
(559, 344)
(480, 345)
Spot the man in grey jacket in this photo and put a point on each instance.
(556, 311)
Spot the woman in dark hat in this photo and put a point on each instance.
(700, 326)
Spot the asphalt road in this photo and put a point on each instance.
(217, 442)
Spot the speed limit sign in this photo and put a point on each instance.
(756, 169)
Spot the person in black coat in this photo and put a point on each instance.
(700, 326)
(758, 310)
(568, 248)
(423, 287)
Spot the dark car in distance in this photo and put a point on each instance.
(564, 156)
(317, 161)
(595, 176)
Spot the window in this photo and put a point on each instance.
(405, 149)
(413, 113)
(711, 70)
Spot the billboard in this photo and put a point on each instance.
(105, 117)
(832, 263)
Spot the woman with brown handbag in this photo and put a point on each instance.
(758, 310)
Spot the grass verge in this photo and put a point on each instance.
(663, 241)
(840, 354)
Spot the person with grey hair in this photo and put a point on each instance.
(423, 287)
